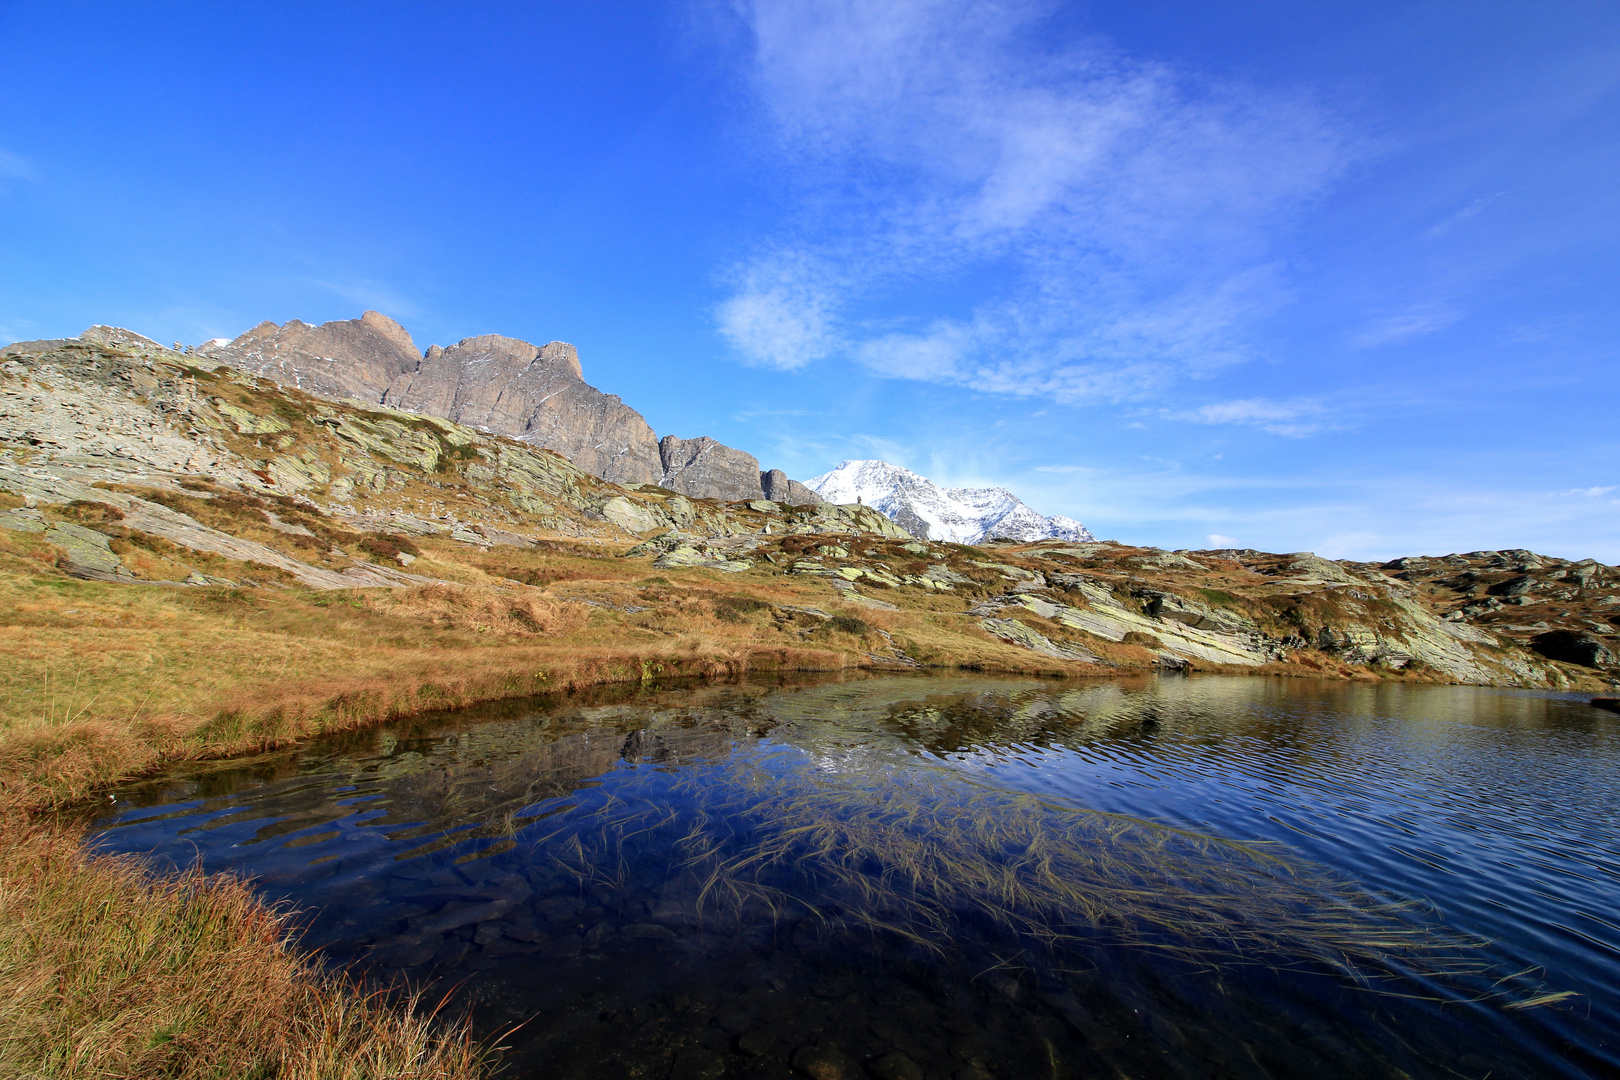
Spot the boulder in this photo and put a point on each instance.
(706, 469)
(629, 516)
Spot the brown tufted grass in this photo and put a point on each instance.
(110, 970)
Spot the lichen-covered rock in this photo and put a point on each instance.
(1011, 630)
(630, 516)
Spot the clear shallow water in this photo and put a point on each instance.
(961, 877)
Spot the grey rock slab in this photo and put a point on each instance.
(22, 521)
(455, 920)
(1016, 633)
(630, 516)
(507, 947)
(407, 950)
(756, 1043)
(697, 1063)
(86, 550)
(849, 595)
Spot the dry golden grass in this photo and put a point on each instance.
(464, 607)
(111, 972)
(118, 973)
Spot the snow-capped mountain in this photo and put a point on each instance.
(928, 511)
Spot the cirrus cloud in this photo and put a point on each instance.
(986, 209)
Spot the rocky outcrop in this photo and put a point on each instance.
(705, 469)
(536, 394)
(1573, 647)
(497, 384)
(354, 358)
(778, 488)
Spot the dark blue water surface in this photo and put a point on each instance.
(943, 877)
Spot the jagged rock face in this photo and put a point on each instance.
(926, 510)
(499, 384)
(534, 393)
(705, 469)
(778, 488)
(355, 358)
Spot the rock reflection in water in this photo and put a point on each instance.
(745, 881)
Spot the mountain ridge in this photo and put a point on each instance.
(501, 385)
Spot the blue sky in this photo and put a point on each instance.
(1328, 276)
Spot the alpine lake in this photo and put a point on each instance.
(919, 877)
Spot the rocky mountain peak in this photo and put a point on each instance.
(390, 330)
(502, 385)
(117, 337)
(778, 488)
(351, 358)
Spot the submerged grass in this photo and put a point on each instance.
(110, 971)
(929, 855)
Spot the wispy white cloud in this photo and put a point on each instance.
(1413, 321)
(1295, 418)
(779, 314)
(989, 210)
(373, 295)
(16, 167)
(1216, 540)
(1451, 221)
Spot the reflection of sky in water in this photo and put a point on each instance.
(1495, 806)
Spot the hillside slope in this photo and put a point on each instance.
(233, 561)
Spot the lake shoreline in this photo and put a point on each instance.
(48, 858)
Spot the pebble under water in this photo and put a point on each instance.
(959, 877)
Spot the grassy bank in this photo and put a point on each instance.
(116, 972)
(111, 972)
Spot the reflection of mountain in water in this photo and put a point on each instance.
(795, 860)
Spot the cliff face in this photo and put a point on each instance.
(705, 469)
(778, 488)
(534, 393)
(499, 384)
(356, 358)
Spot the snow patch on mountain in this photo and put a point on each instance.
(928, 511)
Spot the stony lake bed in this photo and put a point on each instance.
(957, 876)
